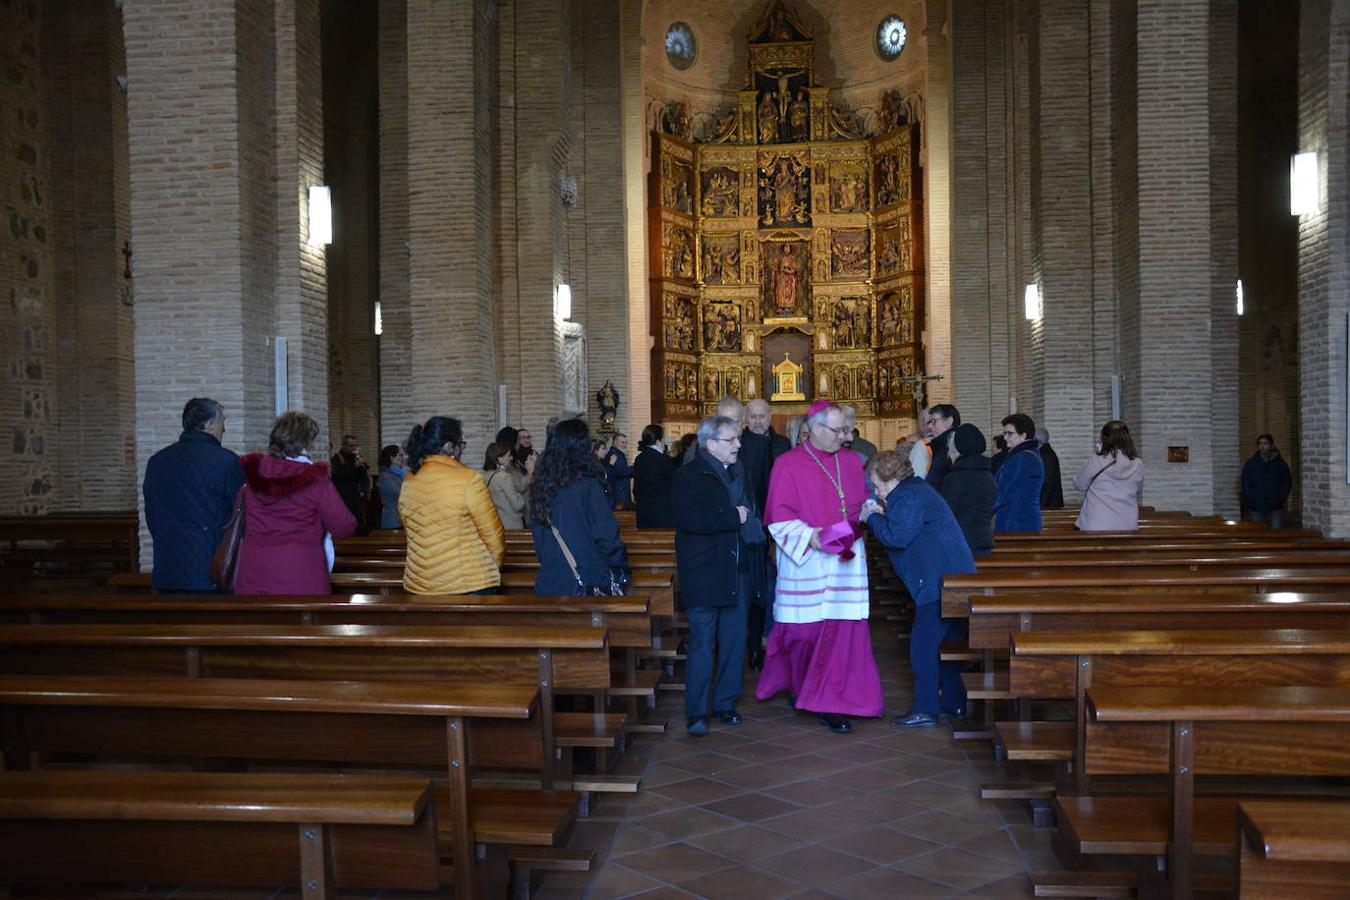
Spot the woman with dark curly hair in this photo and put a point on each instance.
(568, 506)
(455, 540)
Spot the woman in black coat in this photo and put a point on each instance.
(652, 474)
(970, 490)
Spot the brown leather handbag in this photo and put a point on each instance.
(225, 561)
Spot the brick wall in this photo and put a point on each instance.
(28, 402)
(395, 344)
(1324, 263)
(95, 450)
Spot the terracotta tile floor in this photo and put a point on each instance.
(779, 807)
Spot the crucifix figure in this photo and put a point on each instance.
(126, 253)
(917, 384)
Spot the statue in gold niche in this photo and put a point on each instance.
(768, 120)
(787, 274)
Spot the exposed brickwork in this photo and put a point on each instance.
(95, 450)
(301, 269)
(395, 350)
(451, 213)
(1324, 263)
(27, 261)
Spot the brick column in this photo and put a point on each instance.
(541, 69)
(1324, 264)
(937, 167)
(639, 400)
(1187, 345)
(395, 344)
(89, 195)
(302, 269)
(1061, 390)
(450, 213)
(202, 204)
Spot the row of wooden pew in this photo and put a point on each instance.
(363, 681)
(1172, 700)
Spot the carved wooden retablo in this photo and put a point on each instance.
(790, 221)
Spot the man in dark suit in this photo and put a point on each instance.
(719, 541)
(1052, 492)
(760, 446)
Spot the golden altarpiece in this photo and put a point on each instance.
(785, 248)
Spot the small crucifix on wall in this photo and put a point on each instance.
(918, 384)
(126, 255)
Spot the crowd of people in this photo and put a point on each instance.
(770, 528)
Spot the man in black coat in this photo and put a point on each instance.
(760, 446)
(945, 420)
(719, 542)
(189, 489)
(351, 477)
(1052, 492)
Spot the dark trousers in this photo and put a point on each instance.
(719, 628)
(927, 635)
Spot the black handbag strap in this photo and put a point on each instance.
(1099, 472)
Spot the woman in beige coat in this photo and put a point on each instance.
(505, 487)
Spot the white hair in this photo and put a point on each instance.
(818, 417)
(708, 428)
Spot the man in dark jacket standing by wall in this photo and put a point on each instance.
(351, 477)
(189, 489)
(1266, 483)
(1052, 492)
(760, 446)
(945, 420)
(719, 541)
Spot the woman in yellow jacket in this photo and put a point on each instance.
(455, 540)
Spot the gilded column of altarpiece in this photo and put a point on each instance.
(785, 243)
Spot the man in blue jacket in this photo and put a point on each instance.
(1266, 483)
(189, 489)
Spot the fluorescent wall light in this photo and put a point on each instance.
(1304, 190)
(379, 319)
(1241, 308)
(1033, 303)
(320, 216)
(563, 305)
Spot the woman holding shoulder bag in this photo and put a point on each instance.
(576, 536)
(1110, 482)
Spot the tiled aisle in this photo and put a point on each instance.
(780, 807)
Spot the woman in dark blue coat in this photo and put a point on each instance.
(652, 471)
(566, 493)
(969, 489)
(1020, 478)
(925, 543)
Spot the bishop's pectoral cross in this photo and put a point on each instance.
(917, 384)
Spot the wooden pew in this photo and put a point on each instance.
(551, 659)
(1195, 731)
(449, 730)
(957, 589)
(71, 537)
(1293, 848)
(1200, 544)
(1178, 532)
(1066, 665)
(996, 618)
(626, 619)
(87, 828)
(1303, 555)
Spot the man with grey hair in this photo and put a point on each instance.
(719, 541)
(760, 446)
(1052, 492)
(727, 407)
(190, 488)
(859, 444)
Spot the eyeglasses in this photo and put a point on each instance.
(725, 439)
(842, 431)
(1010, 433)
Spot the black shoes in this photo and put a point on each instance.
(915, 720)
(698, 727)
(837, 724)
(729, 717)
(757, 660)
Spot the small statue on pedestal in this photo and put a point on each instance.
(607, 398)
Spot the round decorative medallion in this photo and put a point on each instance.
(681, 48)
(891, 37)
